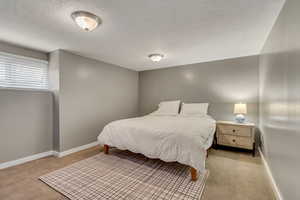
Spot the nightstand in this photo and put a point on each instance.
(233, 134)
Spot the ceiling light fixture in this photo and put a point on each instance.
(156, 57)
(86, 20)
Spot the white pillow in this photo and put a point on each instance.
(168, 108)
(194, 108)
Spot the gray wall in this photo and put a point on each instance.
(25, 116)
(221, 83)
(280, 100)
(86, 95)
(91, 94)
(26, 123)
(54, 81)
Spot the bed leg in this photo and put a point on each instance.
(105, 148)
(194, 174)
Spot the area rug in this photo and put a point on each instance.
(125, 175)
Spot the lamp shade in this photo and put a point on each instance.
(240, 108)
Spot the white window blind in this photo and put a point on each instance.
(23, 72)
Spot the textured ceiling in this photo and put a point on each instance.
(185, 32)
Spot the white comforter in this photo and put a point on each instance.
(184, 139)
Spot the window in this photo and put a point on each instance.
(23, 72)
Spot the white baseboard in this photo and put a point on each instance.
(25, 159)
(74, 150)
(45, 154)
(272, 180)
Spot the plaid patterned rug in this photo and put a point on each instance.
(125, 175)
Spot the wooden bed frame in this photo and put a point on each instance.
(194, 174)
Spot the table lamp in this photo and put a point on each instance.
(240, 110)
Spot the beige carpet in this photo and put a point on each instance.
(124, 175)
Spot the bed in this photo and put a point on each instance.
(181, 138)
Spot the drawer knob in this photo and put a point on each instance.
(233, 140)
(233, 130)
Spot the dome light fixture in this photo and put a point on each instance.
(86, 20)
(156, 57)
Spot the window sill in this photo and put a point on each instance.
(25, 89)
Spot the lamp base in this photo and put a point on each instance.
(240, 118)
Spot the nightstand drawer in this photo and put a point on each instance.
(228, 140)
(235, 130)
(235, 141)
